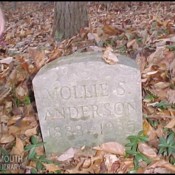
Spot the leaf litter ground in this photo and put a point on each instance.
(142, 30)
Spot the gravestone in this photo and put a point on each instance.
(81, 100)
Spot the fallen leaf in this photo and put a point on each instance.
(171, 124)
(51, 167)
(159, 131)
(171, 96)
(157, 56)
(30, 132)
(67, 155)
(87, 162)
(14, 129)
(109, 160)
(109, 57)
(147, 150)
(21, 92)
(4, 91)
(38, 56)
(90, 36)
(18, 149)
(110, 30)
(7, 138)
(7, 60)
(160, 164)
(162, 85)
(94, 48)
(112, 147)
(133, 44)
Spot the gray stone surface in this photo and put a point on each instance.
(81, 100)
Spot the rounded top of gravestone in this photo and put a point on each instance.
(86, 57)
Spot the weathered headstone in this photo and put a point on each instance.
(81, 100)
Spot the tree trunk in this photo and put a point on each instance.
(69, 18)
(2, 23)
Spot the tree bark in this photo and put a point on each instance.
(2, 23)
(69, 18)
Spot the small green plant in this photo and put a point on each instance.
(132, 148)
(161, 32)
(139, 40)
(32, 147)
(39, 159)
(150, 97)
(171, 47)
(109, 42)
(26, 101)
(167, 144)
(122, 49)
(162, 105)
(153, 123)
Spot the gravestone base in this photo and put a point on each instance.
(81, 100)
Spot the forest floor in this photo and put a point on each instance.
(144, 31)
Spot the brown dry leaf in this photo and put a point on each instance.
(162, 85)
(115, 166)
(21, 92)
(24, 64)
(78, 169)
(147, 150)
(20, 75)
(149, 131)
(38, 56)
(22, 33)
(7, 138)
(87, 163)
(112, 147)
(51, 167)
(109, 57)
(161, 93)
(56, 54)
(40, 150)
(14, 130)
(171, 124)
(147, 128)
(157, 56)
(169, 57)
(157, 170)
(97, 38)
(32, 131)
(14, 119)
(159, 131)
(158, 165)
(171, 96)
(151, 72)
(4, 91)
(90, 36)
(18, 149)
(172, 68)
(7, 60)
(158, 20)
(133, 44)
(109, 159)
(67, 155)
(110, 30)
